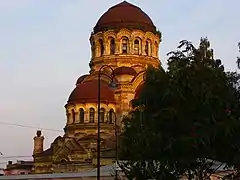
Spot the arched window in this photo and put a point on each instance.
(102, 115)
(93, 49)
(73, 116)
(124, 45)
(91, 115)
(112, 46)
(156, 49)
(63, 162)
(68, 115)
(101, 46)
(111, 116)
(136, 46)
(81, 115)
(147, 48)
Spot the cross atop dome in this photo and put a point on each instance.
(124, 3)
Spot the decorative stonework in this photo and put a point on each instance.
(128, 53)
(118, 48)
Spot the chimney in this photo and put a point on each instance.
(38, 143)
(39, 133)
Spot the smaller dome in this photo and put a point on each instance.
(125, 70)
(87, 92)
(81, 78)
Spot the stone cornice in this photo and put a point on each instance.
(86, 126)
(128, 58)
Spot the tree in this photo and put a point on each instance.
(236, 171)
(186, 119)
(238, 58)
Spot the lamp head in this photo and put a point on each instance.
(112, 85)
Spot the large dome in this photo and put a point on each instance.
(124, 15)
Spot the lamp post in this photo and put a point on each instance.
(116, 129)
(116, 145)
(99, 111)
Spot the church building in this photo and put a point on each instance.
(125, 42)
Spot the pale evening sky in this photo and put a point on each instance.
(45, 48)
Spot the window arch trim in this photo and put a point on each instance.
(91, 115)
(81, 115)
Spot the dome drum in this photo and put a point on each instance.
(130, 26)
(86, 116)
(124, 42)
(123, 70)
(123, 60)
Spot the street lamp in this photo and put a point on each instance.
(111, 115)
(113, 85)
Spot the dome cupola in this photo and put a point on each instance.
(124, 15)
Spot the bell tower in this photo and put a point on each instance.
(123, 43)
(128, 42)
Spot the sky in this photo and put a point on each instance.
(44, 48)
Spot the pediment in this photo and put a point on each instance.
(61, 154)
(67, 149)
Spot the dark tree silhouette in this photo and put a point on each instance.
(238, 58)
(186, 120)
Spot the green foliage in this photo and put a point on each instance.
(159, 33)
(238, 58)
(185, 120)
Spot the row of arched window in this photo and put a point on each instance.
(125, 48)
(107, 117)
